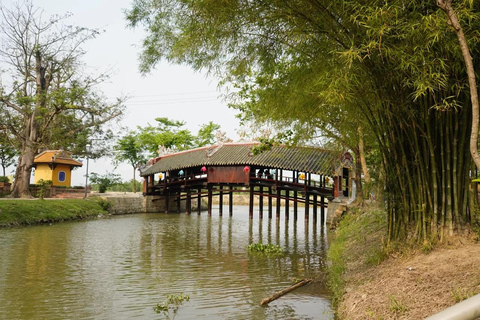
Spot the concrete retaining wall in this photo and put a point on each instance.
(123, 203)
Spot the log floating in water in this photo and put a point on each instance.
(286, 290)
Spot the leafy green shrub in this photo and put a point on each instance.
(4, 179)
(172, 302)
(105, 181)
(43, 186)
(104, 203)
(268, 249)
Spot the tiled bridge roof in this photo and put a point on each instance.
(305, 159)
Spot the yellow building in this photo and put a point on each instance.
(55, 165)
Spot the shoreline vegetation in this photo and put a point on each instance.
(372, 280)
(37, 211)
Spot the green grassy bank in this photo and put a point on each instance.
(356, 247)
(24, 212)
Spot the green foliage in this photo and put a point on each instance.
(206, 134)
(358, 237)
(4, 179)
(376, 256)
(170, 134)
(167, 133)
(43, 186)
(104, 203)
(7, 153)
(128, 149)
(127, 186)
(269, 249)
(336, 270)
(460, 294)
(104, 181)
(172, 303)
(265, 145)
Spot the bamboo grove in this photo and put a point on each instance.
(428, 170)
(392, 68)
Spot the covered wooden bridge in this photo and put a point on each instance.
(293, 174)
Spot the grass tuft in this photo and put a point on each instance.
(397, 306)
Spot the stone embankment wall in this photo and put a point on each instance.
(336, 208)
(123, 203)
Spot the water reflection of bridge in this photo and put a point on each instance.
(306, 175)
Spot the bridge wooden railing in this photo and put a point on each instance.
(297, 184)
(288, 182)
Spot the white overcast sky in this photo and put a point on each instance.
(172, 91)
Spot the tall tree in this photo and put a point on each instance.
(206, 134)
(127, 149)
(170, 134)
(7, 153)
(167, 134)
(391, 67)
(45, 95)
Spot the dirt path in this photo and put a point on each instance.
(414, 287)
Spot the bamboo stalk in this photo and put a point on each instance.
(285, 291)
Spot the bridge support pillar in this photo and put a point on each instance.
(230, 201)
(188, 204)
(269, 202)
(287, 205)
(315, 208)
(177, 201)
(295, 205)
(260, 204)
(322, 210)
(250, 203)
(220, 202)
(209, 200)
(199, 201)
(277, 208)
(307, 204)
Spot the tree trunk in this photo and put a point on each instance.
(361, 150)
(358, 175)
(446, 6)
(134, 181)
(30, 140)
(21, 188)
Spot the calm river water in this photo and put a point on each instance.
(122, 266)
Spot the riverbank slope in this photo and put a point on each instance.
(23, 212)
(370, 281)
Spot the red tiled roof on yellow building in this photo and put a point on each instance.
(56, 157)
